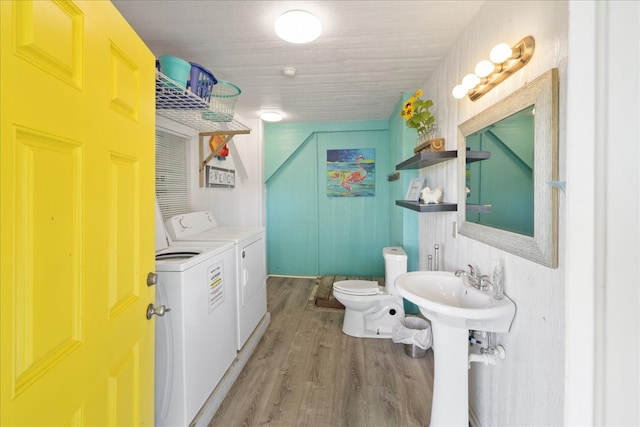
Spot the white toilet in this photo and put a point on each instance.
(372, 310)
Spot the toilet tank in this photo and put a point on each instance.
(395, 263)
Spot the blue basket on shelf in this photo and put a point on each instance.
(223, 102)
(201, 81)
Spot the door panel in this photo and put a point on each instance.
(41, 339)
(77, 161)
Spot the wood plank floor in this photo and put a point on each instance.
(306, 372)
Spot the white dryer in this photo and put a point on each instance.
(196, 337)
(200, 227)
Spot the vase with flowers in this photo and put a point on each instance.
(417, 116)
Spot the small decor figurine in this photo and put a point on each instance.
(214, 143)
(428, 195)
(416, 114)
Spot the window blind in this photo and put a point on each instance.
(172, 174)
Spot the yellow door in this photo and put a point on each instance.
(77, 120)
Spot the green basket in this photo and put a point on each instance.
(223, 102)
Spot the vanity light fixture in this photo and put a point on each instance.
(504, 61)
(298, 26)
(271, 116)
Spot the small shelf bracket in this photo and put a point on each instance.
(203, 161)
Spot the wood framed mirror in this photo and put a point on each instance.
(532, 233)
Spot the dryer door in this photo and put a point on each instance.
(252, 284)
(253, 270)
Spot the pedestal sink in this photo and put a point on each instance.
(453, 307)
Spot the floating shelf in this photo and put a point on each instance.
(183, 106)
(441, 207)
(476, 156)
(431, 207)
(478, 208)
(430, 158)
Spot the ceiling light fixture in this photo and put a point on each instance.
(504, 62)
(271, 116)
(298, 26)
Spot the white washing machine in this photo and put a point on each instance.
(200, 227)
(196, 336)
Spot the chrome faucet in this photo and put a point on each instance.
(470, 277)
(482, 282)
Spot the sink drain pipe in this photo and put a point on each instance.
(489, 354)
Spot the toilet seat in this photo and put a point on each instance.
(357, 287)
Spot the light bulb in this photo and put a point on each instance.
(484, 68)
(470, 81)
(459, 92)
(298, 26)
(500, 53)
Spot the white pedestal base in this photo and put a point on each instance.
(450, 404)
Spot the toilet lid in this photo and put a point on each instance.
(357, 287)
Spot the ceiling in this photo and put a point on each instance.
(368, 54)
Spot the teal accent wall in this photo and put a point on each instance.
(308, 233)
(353, 230)
(505, 181)
(282, 140)
(311, 234)
(292, 214)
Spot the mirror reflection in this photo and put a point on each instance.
(505, 181)
(515, 181)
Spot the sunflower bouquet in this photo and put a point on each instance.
(417, 116)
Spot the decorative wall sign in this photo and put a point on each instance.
(219, 177)
(351, 172)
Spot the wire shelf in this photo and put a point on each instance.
(183, 106)
(170, 95)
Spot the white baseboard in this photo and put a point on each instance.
(293, 277)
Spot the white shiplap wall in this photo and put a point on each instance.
(242, 206)
(527, 388)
